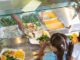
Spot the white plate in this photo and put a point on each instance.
(33, 41)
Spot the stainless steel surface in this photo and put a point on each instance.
(21, 44)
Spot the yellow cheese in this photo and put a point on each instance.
(52, 21)
(55, 26)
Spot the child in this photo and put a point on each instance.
(61, 46)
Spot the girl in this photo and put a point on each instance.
(61, 46)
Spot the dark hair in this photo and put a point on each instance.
(62, 43)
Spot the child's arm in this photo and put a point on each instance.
(41, 52)
(72, 58)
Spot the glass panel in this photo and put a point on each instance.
(7, 21)
(55, 3)
(57, 19)
(8, 27)
(12, 6)
(17, 42)
(9, 7)
(11, 38)
(33, 26)
(65, 15)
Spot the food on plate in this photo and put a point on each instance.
(8, 53)
(51, 21)
(3, 58)
(33, 26)
(19, 54)
(43, 38)
(11, 54)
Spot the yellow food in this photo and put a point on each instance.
(75, 35)
(52, 21)
(56, 25)
(19, 54)
(46, 33)
(3, 58)
(75, 39)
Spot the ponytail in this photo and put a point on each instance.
(62, 43)
(60, 55)
(69, 52)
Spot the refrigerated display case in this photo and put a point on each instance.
(19, 18)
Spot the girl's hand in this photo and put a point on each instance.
(41, 52)
(43, 44)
